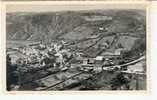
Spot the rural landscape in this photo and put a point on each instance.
(76, 50)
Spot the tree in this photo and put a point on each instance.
(119, 45)
(8, 72)
(118, 81)
(108, 42)
(138, 47)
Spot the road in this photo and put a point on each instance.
(127, 64)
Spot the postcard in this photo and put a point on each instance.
(75, 46)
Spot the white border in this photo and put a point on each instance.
(147, 92)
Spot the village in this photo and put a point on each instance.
(82, 50)
(57, 58)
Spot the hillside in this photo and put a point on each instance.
(72, 25)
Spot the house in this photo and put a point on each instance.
(113, 53)
(118, 51)
(90, 64)
(136, 68)
(88, 61)
(99, 59)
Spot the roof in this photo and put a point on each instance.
(99, 58)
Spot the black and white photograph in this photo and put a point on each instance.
(76, 50)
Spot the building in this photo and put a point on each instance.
(139, 67)
(95, 64)
(113, 53)
(88, 61)
(99, 58)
